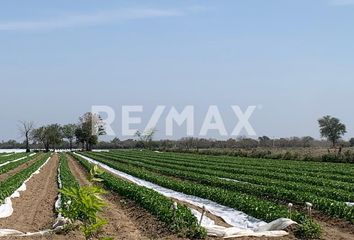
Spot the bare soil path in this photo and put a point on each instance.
(335, 229)
(34, 209)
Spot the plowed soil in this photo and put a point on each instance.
(34, 209)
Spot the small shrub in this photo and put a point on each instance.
(308, 229)
(84, 204)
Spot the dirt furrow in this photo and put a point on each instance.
(334, 229)
(126, 220)
(34, 209)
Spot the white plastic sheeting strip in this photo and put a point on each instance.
(6, 209)
(5, 163)
(231, 232)
(16, 160)
(350, 204)
(72, 150)
(234, 180)
(58, 225)
(15, 233)
(60, 221)
(12, 150)
(237, 219)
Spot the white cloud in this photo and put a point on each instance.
(99, 18)
(341, 2)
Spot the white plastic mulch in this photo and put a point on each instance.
(242, 224)
(12, 150)
(6, 210)
(16, 160)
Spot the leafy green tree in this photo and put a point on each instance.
(55, 135)
(69, 133)
(49, 136)
(40, 135)
(351, 142)
(89, 128)
(332, 129)
(80, 137)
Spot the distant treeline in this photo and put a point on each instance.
(239, 143)
(196, 143)
(295, 148)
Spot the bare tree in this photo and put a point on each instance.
(25, 129)
(146, 137)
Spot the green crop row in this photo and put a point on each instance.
(333, 168)
(289, 176)
(10, 185)
(327, 192)
(181, 221)
(13, 165)
(256, 207)
(13, 157)
(66, 176)
(327, 206)
(246, 164)
(239, 163)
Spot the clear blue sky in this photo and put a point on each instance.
(295, 58)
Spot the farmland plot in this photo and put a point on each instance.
(137, 211)
(33, 209)
(330, 199)
(182, 171)
(10, 157)
(124, 217)
(12, 167)
(244, 225)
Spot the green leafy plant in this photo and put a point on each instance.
(95, 173)
(308, 230)
(84, 204)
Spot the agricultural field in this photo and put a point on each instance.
(258, 187)
(162, 195)
(177, 120)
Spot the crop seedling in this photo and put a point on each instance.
(84, 203)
